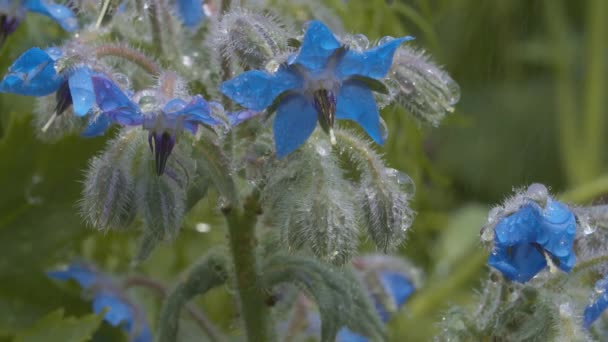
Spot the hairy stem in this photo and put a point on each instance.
(129, 54)
(205, 275)
(241, 233)
(161, 291)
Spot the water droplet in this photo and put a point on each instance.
(494, 215)
(361, 41)
(148, 103)
(385, 39)
(383, 129)
(272, 66)
(600, 286)
(487, 233)
(203, 227)
(587, 227)
(122, 80)
(565, 309)
(538, 193)
(406, 183)
(187, 61)
(321, 150)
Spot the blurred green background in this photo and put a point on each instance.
(533, 76)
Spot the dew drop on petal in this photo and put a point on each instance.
(361, 41)
(272, 66)
(148, 103)
(385, 39)
(122, 80)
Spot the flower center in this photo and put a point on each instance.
(325, 104)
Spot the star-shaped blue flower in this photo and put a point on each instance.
(118, 310)
(594, 310)
(190, 12)
(163, 123)
(523, 240)
(34, 74)
(12, 13)
(322, 82)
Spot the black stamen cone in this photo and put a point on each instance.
(8, 25)
(63, 98)
(325, 103)
(161, 145)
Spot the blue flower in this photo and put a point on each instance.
(323, 82)
(594, 310)
(163, 122)
(34, 74)
(190, 12)
(106, 297)
(12, 13)
(525, 239)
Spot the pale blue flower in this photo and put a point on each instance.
(119, 311)
(322, 82)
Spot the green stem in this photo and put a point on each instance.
(157, 287)
(595, 83)
(588, 191)
(241, 233)
(565, 93)
(438, 295)
(209, 273)
(129, 54)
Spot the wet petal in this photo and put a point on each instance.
(236, 118)
(356, 102)
(190, 12)
(32, 74)
(81, 90)
(114, 103)
(373, 63)
(61, 14)
(257, 89)
(295, 121)
(97, 126)
(518, 263)
(197, 111)
(559, 227)
(318, 45)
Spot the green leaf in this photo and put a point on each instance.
(55, 327)
(39, 222)
(338, 294)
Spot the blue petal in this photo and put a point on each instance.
(81, 90)
(318, 45)
(373, 63)
(197, 111)
(236, 118)
(61, 14)
(519, 262)
(85, 276)
(191, 12)
(32, 74)
(397, 285)
(594, 310)
(118, 311)
(257, 89)
(295, 121)
(356, 102)
(346, 335)
(522, 226)
(559, 228)
(114, 103)
(97, 126)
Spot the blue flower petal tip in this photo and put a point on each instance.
(59, 13)
(32, 74)
(527, 238)
(324, 78)
(594, 310)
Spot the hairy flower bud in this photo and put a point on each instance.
(252, 38)
(422, 87)
(108, 195)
